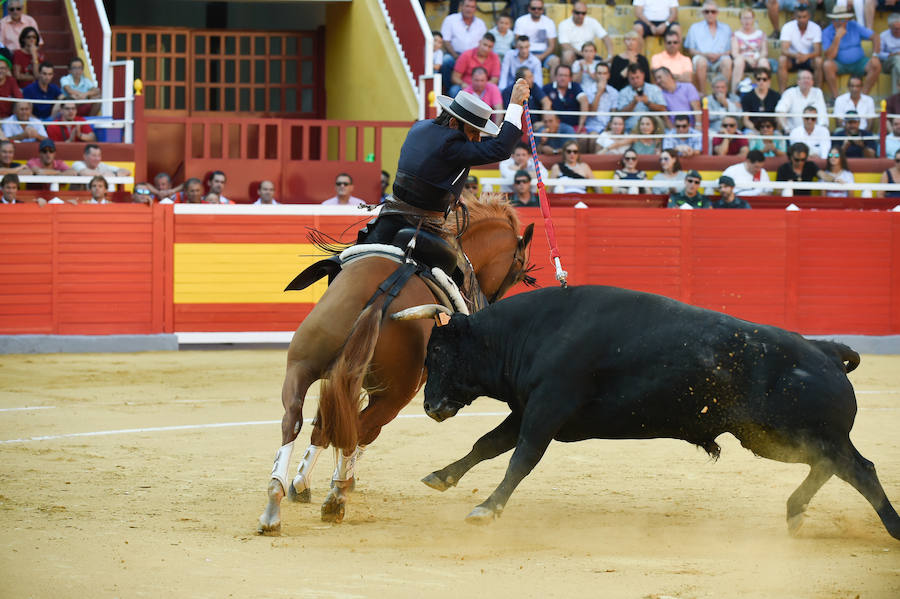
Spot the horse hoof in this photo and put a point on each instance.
(303, 496)
(795, 523)
(333, 512)
(481, 516)
(436, 482)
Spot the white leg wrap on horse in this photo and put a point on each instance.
(346, 465)
(301, 481)
(282, 462)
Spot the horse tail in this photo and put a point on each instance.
(340, 396)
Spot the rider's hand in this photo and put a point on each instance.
(520, 92)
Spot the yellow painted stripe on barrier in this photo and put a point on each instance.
(238, 273)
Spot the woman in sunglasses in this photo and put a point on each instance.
(892, 175)
(27, 57)
(836, 171)
(571, 167)
(629, 171)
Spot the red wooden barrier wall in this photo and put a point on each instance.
(109, 269)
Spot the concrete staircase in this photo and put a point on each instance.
(53, 22)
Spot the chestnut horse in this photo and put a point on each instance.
(353, 347)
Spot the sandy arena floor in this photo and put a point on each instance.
(148, 510)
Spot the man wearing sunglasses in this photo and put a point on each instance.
(522, 195)
(727, 145)
(815, 136)
(797, 168)
(541, 30)
(858, 142)
(343, 187)
(12, 25)
(690, 196)
(579, 29)
(709, 44)
(46, 162)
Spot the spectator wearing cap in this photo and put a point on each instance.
(748, 172)
(12, 25)
(8, 87)
(46, 162)
(854, 146)
(44, 89)
(843, 51)
(68, 113)
(690, 196)
(522, 196)
(727, 199)
(471, 185)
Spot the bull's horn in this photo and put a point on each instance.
(421, 312)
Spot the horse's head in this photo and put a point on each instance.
(499, 255)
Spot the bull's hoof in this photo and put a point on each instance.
(333, 511)
(795, 523)
(481, 516)
(436, 482)
(303, 496)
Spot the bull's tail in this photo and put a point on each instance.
(340, 396)
(847, 356)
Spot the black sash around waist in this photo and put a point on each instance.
(420, 193)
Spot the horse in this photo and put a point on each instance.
(354, 346)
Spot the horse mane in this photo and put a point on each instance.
(489, 205)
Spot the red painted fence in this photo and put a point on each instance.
(109, 269)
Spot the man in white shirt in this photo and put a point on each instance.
(343, 186)
(655, 17)
(22, 126)
(795, 99)
(749, 171)
(801, 47)
(815, 136)
(461, 31)
(541, 30)
(521, 160)
(266, 193)
(854, 99)
(579, 29)
(892, 139)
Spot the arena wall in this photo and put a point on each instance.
(126, 269)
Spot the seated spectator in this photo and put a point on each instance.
(92, 164)
(541, 30)
(68, 113)
(837, 171)
(730, 146)
(647, 125)
(461, 31)
(46, 163)
(709, 44)
(727, 199)
(21, 126)
(471, 185)
(266, 194)
(99, 187)
(603, 97)
(720, 103)
(44, 89)
(892, 176)
(762, 98)
(7, 162)
(749, 49)
(482, 57)
(855, 146)
(639, 96)
(856, 101)
(8, 87)
(551, 125)
(343, 186)
(618, 68)
(10, 187)
(12, 25)
(216, 186)
(579, 29)
(815, 136)
(749, 171)
(655, 17)
(504, 38)
(162, 186)
(385, 183)
(142, 194)
(486, 91)
(571, 167)
(521, 160)
(801, 47)
(628, 170)
(690, 196)
(863, 9)
(683, 140)
(437, 51)
(192, 194)
(769, 147)
(522, 196)
(536, 99)
(892, 139)
(681, 67)
(613, 139)
(795, 99)
(679, 96)
(566, 95)
(513, 62)
(843, 52)
(584, 69)
(669, 170)
(798, 168)
(889, 51)
(28, 57)
(77, 86)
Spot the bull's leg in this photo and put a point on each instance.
(860, 472)
(819, 474)
(496, 442)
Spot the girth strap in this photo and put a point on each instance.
(392, 285)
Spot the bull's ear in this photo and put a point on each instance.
(526, 236)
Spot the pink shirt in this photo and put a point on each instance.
(491, 95)
(353, 201)
(468, 61)
(10, 30)
(35, 164)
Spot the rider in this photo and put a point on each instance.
(436, 157)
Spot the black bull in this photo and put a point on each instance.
(601, 362)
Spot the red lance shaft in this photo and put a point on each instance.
(561, 275)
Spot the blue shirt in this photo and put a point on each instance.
(850, 50)
(34, 92)
(565, 101)
(700, 38)
(627, 94)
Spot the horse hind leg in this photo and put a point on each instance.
(299, 489)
